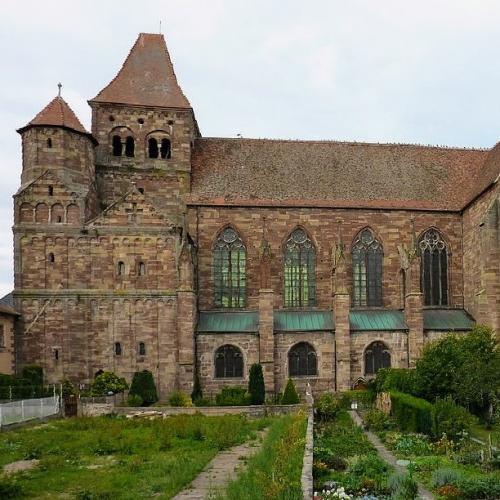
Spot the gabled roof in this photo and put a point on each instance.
(264, 172)
(147, 77)
(58, 114)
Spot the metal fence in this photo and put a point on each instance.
(28, 409)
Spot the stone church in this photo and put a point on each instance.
(144, 245)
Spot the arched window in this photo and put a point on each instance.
(49, 142)
(129, 147)
(120, 268)
(434, 268)
(26, 212)
(228, 362)
(142, 349)
(57, 213)
(141, 269)
(165, 149)
(153, 148)
(302, 360)
(51, 258)
(377, 356)
(118, 349)
(117, 145)
(367, 270)
(300, 270)
(229, 269)
(51, 190)
(56, 354)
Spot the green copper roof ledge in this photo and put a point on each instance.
(447, 319)
(303, 321)
(376, 320)
(228, 322)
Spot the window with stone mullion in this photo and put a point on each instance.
(434, 269)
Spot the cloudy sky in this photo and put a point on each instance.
(383, 71)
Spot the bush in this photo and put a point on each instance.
(487, 487)
(203, 402)
(364, 398)
(179, 398)
(256, 387)
(107, 382)
(377, 421)
(396, 379)
(403, 487)
(197, 393)
(290, 396)
(144, 386)
(327, 406)
(68, 389)
(134, 400)
(9, 488)
(443, 477)
(412, 444)
(232, 396)
(411, 414)
(34, 374)
(450, 419)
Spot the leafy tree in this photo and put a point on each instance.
(34, 374)
(290, 396)
(256, 387)
(68, 389)
(144, 386)
(197, 393)
(108, 382)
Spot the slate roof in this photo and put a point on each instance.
(57, 113)
(147, 77)
(267, 172)
(7, 305)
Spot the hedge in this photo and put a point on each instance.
(412, 414)
(364, 398)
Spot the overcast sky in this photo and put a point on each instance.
(363, 70)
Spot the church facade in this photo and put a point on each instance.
(143, 245)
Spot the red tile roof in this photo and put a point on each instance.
(264, 172)
(147, 77)
(59, 114)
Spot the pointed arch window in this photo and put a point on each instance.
(434, 268)
(228, 362)
(117, 145)
(377, 356)
(165, 149)
(302, 360)
(367, 270)
(153, 148)
(129, 147)
(299, 270)
(229, 269)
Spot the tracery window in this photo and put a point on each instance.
(302, 360)
(229, 269)
(367, 270)
(434, 268)
(377, 356)
(299, 270)
(228, 362)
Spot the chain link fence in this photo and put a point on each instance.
(28, 409)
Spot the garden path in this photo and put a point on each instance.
(220, 470)
(423, 492)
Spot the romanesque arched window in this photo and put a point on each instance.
(142, 349)
(141, 269)
(165, 149)
(117, 145)
(367, 270)
(228, 362)
(229, 269)
(299, 270)
(302, 360)
(434, 268)
(120, 268)
(153, 148)
(129, 147)
(377, 356)
(118, 349)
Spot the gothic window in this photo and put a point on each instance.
(117, 145)
(434, 268)
(153, 148)
(302, 360)
(129, 147)
(228, 362)
(120, 268)
(118, 349)
(367, 270)
(229, 269)
(299, 270)
(165, 149)
(377, 356)
(142, 349)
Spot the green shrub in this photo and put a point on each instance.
(443, 477)
(7, 380)
(327, 406)
(33, 373)
(450, 419)
(143, 385)
(256, 387)
(411, 414)
(378, 421)
(486, 487)
(203, 402)
(68, 389)
(9, 488)
(290, 396)
(232, 396)
(403, 487)
(363, 397)
(412, 444)
(367, 471)
(134, 400)
(107, 382)
(179, 398)
(396, 379)
(197, 393)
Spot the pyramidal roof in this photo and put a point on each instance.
(59, 114)
(147, 77)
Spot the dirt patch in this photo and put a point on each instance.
(20, 466)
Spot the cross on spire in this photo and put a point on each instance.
(59, 85)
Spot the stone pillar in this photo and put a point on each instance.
(266, 337)
(414, 314)
(186, 324)
(341, 307)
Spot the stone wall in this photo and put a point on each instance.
(7, 360)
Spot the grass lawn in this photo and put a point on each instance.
(119, 458)
(479, 431)
(275, 471)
